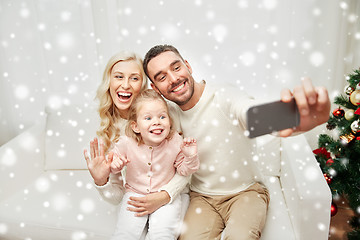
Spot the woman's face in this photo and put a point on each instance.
(125, 84)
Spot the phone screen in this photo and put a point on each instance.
(272, 117)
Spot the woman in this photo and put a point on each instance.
(123, 80)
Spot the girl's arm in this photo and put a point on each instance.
(187, 161)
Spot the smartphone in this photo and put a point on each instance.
(272, 117)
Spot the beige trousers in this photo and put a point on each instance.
(240, 216)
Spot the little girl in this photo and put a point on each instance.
(154, 152)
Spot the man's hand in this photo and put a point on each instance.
(313, 104)
(149, 203)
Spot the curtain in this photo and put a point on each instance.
(52, 53)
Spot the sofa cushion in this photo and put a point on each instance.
(278, 222)
(267, 155)
(64, 203)
(68, 132)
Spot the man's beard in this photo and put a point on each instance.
(178, 101)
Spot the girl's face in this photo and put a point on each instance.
(153, 122)
(125, 85)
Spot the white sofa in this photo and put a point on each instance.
(47, 193)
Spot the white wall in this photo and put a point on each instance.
(53, 52)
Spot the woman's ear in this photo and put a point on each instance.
(134, 127)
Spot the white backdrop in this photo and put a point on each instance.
(53, 52)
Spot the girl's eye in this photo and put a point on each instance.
(162, 117)
(147, 118)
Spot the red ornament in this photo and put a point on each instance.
(327, 178)
(357, 111)
(322, 151)
(333, 209)
(329, 162)
(338, 113)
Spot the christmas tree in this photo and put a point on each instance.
(339, 154)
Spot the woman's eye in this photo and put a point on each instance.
(120, 77)
(135, 78)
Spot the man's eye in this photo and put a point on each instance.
(177, 68)
(162, 78)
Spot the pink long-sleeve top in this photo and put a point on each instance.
(152, 167)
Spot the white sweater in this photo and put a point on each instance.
(217, 122)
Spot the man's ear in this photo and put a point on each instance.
(187, 64)
(134, 127)
(155, 88)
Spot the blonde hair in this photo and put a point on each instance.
(145, 96)
(109, 114)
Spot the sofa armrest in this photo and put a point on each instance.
(306, 192)
(22, 160)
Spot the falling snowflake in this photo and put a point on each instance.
(78, 235)
(198, 210)
(311, 173)
(9, 158)
(317, 59)
(220, 32)
(87, 205)
(22, 92)
(42, 184)
(247, 58)
(3, 228)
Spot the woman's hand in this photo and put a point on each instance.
(149, 203)
(98, 165)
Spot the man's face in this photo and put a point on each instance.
(171, 77)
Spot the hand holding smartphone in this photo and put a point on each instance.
(272, 117)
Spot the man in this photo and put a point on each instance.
(225, 193)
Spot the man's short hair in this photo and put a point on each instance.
(155, 51)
